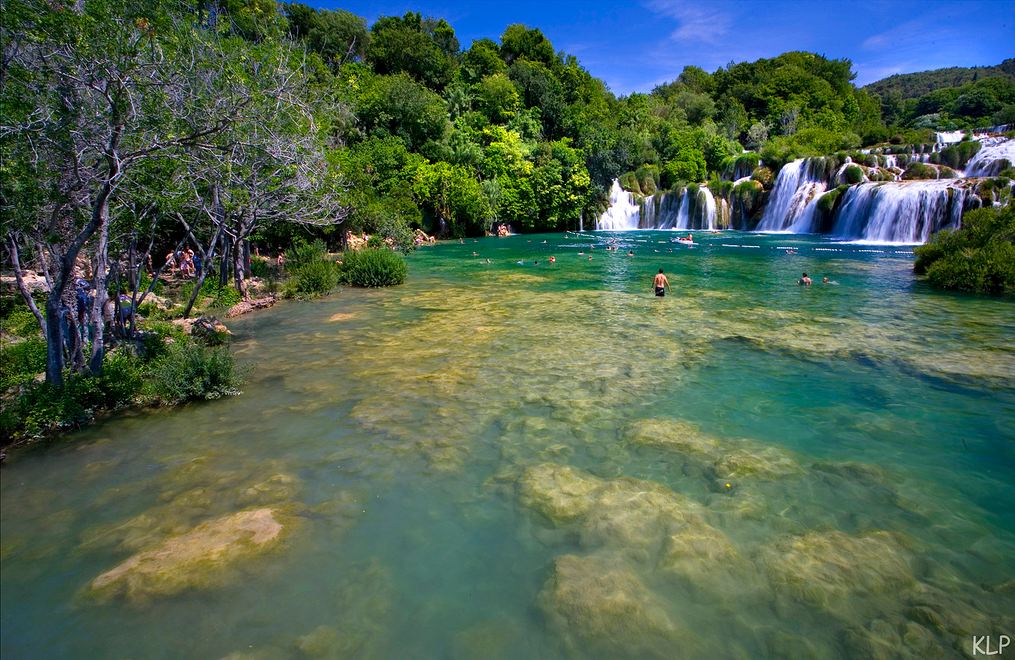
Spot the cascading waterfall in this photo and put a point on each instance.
(676, 210)
(798, 185)
(706, 202)
(995, 155)
(623, 212)
(899, 212)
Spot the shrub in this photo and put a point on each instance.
(629, 182)
(224, 297)
(303, 253)
(22, 323)
(314, 278)
(21, 362)
(957, 155)
(978, 257)
(917, 170)
(372, 268)
(261, 267)
(853, 174)
(189, 371)
(764, 176)
(42, 408)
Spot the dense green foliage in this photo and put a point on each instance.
(372, 267)
(162, 374)
(950, 98)
(978, 257)
(311, 272)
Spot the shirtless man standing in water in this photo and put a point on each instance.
(661, 283)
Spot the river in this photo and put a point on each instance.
(545, 460)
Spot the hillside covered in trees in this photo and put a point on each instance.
(956, 97)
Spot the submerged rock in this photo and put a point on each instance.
(829, 568)
(559, 492)
(673, 434)
(596, 605)
(195, 559)
(766, 463)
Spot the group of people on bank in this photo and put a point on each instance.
(186, 261)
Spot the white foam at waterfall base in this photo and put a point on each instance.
(898, 212)
(622, 213)
(986, 161)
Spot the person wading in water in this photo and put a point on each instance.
(661, 283)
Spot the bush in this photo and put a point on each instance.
(629, 182)
(957, 155)
(42, 408)
(853, 174)
(764, 176)
(223, 297)
(188, 370)
(917, 170)
(261, 267)
(978, 257)
(22, 361)
(372, 268)
(22, 323)
(315, 278)
(302, 253)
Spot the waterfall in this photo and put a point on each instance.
(797, 185)
(623, 212)
(706, 203)
(899, 211)
(684, 213)
(949, 137)
(804, 223)
(995, 155)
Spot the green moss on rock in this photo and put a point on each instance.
(199, 558)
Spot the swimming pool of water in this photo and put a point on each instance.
(516, 460)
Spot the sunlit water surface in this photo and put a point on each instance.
(518, 460)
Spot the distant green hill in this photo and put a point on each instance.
(915, 85)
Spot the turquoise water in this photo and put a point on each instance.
(516, 461)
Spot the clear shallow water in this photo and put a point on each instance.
(503, 460)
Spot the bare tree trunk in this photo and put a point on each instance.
(25, 293)
(54, 340)
(99, 306)
(206, 256)
(241, 280)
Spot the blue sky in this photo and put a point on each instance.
(635, 46)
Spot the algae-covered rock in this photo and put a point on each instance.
(764, 462)
(886, 640)
(673, 434)
(627, 513)
(596, 605)
(828, 568)
(559, 492)
(197, 558)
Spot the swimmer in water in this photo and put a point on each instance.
(630, 253)
(553, 260)
(804, 281)
(661, 284)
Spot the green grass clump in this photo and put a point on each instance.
(372, 268)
